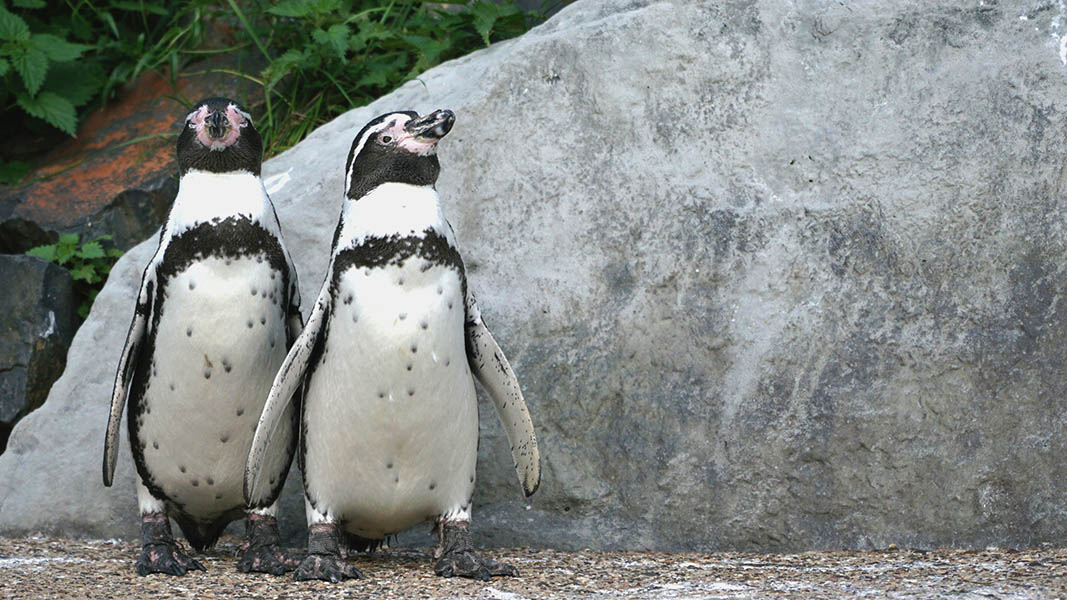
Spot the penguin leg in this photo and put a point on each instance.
(262, 551)
(324, 560)
(456, 557)
(160, 552)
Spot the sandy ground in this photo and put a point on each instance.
(42, 567)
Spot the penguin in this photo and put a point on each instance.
(389, 429)
(217, 310)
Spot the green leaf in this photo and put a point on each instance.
(66, 247)
(371, 31)
(52, 108)
(29, 3)
(290, 8)
(114, 253)
(12, 27)
(107, 18)
(429, 48)
(485, 15)
(334, 40)
(56, 48)
(292, 60)
(12, 172)
(140, 7)
(77, 81)
(32, 65)
(323, 7)
(91, 250)
(379, 72)
(4, 66)
(47, 252)
(85, 272)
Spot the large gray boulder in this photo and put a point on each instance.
(773, 275)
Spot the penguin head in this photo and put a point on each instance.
(218, 136)
(398, 147)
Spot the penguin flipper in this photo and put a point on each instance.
(286, 385)
(127, 365)
(491, 367)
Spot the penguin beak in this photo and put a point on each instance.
(217, 125)
(433, 126)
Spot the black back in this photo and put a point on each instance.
(246, 154)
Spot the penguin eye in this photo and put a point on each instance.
(386, 139)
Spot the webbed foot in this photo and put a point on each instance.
(324, 561)
(160, 553)
(261, 551)
(456, 556)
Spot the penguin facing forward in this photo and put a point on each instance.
(217, 311)
(390, 417)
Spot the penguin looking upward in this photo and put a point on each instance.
(217, 310)
(390, 416)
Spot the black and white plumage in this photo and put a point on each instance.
(217, 311)
(390, 417)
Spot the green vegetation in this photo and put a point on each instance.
(327, 56)
(89, 264)
(59, 59)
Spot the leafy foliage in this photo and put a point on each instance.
(339, 54)
(89, 264)
(26, 59)
(323, 56)
(57, 57)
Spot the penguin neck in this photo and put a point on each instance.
(204, 197)
(390, 209)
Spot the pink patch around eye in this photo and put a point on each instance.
(237, 121)
(236, 117)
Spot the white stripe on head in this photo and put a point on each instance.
(195, 119)
(234, 109)
(393, 120)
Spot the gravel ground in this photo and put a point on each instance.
(42, 567)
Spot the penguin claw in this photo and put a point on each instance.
(273, 560)
(467, 563)
(326, 567)
(167, 559)
(262, 551)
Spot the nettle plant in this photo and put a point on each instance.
(39, 69)
(89, 264)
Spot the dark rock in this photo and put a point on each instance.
(36, 328)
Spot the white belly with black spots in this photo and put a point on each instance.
(391, 412)
(221, 337)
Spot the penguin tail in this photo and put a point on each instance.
(201, 536)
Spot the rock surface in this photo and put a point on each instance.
(36, 328)
(773, 275)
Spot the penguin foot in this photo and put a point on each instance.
(160, 553)
(326, 567)
(324, 561)
(261, 551)
(456, 556)
(166, 558)
(469, 564)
